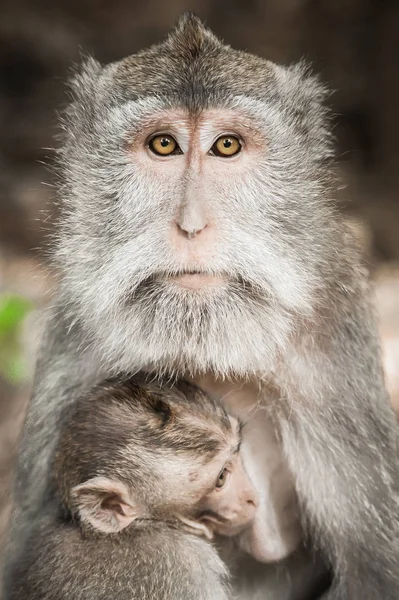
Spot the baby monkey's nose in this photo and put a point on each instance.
(250, 497)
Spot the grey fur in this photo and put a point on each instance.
(303, 318)
(64, 566)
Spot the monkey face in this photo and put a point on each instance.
(230, 507)
(195, 190)
(210, 494)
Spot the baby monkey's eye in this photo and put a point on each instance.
(226, 146)
(221, 480)
(163, 145)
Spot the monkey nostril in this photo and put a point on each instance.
(190, 233)
(253, 502)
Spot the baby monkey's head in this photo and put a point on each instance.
(136, 450)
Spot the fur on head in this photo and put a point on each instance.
(270, 216)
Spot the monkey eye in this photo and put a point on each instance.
(164, 145)
(226, 146)
(222, 478)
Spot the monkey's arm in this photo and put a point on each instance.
(340, 435)
(63, 368)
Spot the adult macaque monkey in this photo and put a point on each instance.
(199, 237)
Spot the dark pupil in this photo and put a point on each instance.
(227, 143)
(165, 142)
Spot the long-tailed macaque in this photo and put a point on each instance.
(199, 237)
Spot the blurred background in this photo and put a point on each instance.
(353, 44)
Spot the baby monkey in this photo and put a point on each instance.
(138, 462)
(138, 451)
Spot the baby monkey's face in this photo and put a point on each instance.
(228, 501)
(180, 463)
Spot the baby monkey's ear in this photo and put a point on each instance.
(105, 504)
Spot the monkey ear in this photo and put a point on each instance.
(105, 504)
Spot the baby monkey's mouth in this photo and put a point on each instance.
(222, 526)
(208, 516)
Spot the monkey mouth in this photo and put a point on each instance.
(197, 279)
(220, 525)
(212, 517)
(194, 280)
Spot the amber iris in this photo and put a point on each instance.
(163, 145)
(226, 145)
(221, 480)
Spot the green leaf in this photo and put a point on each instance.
(13, 310)
(13, 366)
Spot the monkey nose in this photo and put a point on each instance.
(190, 232)
(251, 498)
(192, 219)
